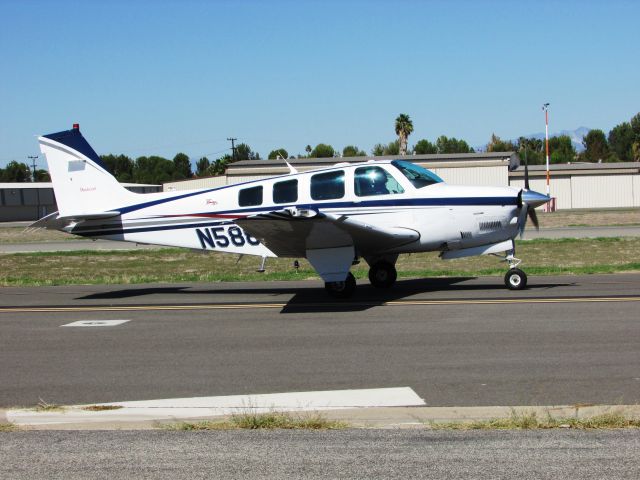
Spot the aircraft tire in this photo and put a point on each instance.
(382, 275)
(515, 279)
(342, 289)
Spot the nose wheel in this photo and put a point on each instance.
(515, 279)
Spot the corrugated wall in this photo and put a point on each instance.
(560, 188)
(590, 191)
(489, 176)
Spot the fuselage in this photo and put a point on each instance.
(381, 194)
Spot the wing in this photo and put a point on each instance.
(292, 232)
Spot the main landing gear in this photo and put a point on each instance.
(514, 279)
(382, 274)
(342, 289)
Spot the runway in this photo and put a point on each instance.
(454, 341)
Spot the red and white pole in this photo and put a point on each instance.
(545, 107)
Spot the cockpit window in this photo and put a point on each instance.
(375, 181)
(417, 175)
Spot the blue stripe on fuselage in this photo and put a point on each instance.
(360, 206)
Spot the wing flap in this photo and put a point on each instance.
(289, 234)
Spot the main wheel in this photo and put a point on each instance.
(515, 279)
(341, 289)
(382, 275)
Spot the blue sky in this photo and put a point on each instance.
(160, 77)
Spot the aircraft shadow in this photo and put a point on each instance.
(315, 299)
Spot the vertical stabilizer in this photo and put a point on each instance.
(81, 181)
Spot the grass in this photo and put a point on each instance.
(43, 406)
(263, 421)
(171, 265)
(8, 427)
(101, 408)
(530, 421)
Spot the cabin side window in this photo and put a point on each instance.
(373, 180)
(248, 197)
(327, 186)
(285, 192)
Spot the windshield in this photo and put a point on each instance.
(418, 176)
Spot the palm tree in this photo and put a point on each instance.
(404, 127)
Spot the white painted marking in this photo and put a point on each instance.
(95, 323)
(200, 407)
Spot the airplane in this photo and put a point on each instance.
(374, 210)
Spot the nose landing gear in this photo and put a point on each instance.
(514, 279)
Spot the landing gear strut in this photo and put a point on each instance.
(382, 274)
(514, 279)
(342, 289)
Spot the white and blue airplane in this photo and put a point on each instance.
(374, 210)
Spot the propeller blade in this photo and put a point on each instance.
(533, 217)
(526, 174)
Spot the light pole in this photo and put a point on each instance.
(545, 107)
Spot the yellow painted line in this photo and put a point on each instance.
(255, 306)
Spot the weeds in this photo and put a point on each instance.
(8, 427)
(101, 408)
(43, 406)
(529, 420)
(259, 421)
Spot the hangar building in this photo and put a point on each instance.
(579, 185)
(31, 201)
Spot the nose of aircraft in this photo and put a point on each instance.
(534, 199)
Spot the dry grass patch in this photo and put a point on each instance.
(8, 427)
(529, 420)
(263, 421)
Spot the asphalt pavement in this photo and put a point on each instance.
(454, 341)
(347, 454)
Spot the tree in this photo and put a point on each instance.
(531, 150)
(154, 170)
(352, 151)
(220, 165)
(596, 147)
(202, 166)
(16, 172)
(404, 127)
(424, 147)
(498, 145)
(182, 167)
(392, 148)
(280, 152)
(635, 126)
(244, 152)
(120, 167)
(308, 149)
(621, 139)
(452, 145)
(42, 175)
(322, 151)
(561, 149)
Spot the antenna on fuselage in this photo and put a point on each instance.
(292, 169)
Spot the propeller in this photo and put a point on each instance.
(528, 200)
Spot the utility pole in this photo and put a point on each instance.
(33, 159)
(233, 148)
(545, 107)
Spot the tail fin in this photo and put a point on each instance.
(82, 184)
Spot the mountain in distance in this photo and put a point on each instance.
(576, 136)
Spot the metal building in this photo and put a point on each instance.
(585, 185)
(456, 168)
(31, 201)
